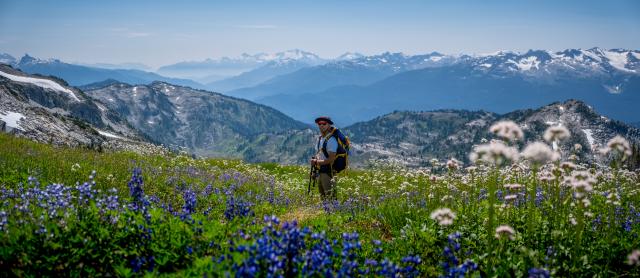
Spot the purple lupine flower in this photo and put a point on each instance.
(539, 273)
(450, 266)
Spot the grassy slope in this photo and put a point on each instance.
(388, 204)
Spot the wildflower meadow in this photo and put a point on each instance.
(529, 211)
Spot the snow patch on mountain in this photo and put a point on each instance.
(12, 119)
(594, 54)
(613, 89)
(618, 60)
(349, 56)
(107, 134)
(497, 53)
(589, 134)
(528, 63)
(40, 82)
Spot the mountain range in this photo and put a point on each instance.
(364, 87)
(78, 75)
(278, 64)
(122, 116)
(359, 90)
(226, 67)
(362, 70)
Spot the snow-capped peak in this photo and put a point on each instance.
(497, 53)
(7, 59)
(289, 55)
(294, 54)
(349, 56)
(30, 60)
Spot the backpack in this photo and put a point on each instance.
(342, 154)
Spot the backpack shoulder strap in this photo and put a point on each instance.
(326, 140)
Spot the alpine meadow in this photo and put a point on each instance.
(408, 139)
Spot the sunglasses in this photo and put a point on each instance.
(323, 123)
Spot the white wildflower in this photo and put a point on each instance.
(495, 153)
(507, 130)
(404, 185)
(505, 231)
(634, 258)
(577, 147)
(567, 166)
(546, 176)
(75, 167)
(510, 197)
(513, 186)
(556, 133)
(453, 164)
(540, 153)
(613, 198)
(581, 182)
(444, 216)
(619, 145)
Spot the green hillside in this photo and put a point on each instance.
(174, 215)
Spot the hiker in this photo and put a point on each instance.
(324, 162)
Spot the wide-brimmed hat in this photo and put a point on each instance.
(325, 119)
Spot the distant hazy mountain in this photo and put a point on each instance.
(359, 71)
(413, 138)
(208, 124)
(347, 56)
(132, 66)
(501, 82)
(98, 85)
(270, 70)
(48, 110)
(230, 67)
(7, 59)
(78, 75)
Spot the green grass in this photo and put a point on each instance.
(390, 204)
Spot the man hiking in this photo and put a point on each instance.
(326, 151)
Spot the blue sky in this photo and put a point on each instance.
(163, 32)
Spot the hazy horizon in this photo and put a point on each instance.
(157, 33)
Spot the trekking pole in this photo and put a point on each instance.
(312, 178)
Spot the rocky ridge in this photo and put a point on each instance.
(46, 109)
